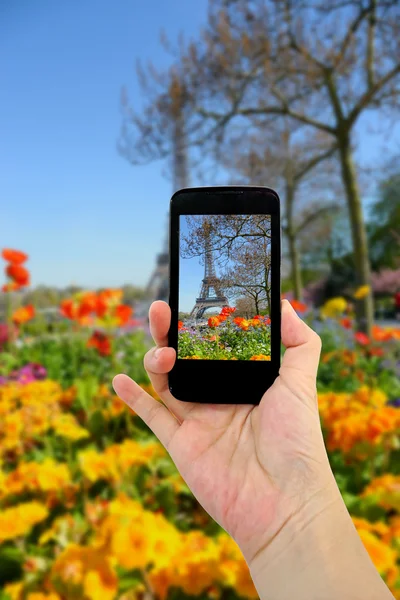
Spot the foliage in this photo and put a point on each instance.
(384, 226)
(227, 339)
(67, 358)
(91, 505)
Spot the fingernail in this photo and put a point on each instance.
(157, 353)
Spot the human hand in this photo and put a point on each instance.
(257, 470)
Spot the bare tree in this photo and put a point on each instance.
(249, 274)
(225, 234)
(279, 157)
(322, 64)
(241, 247)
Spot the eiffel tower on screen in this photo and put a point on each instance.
(211, 295)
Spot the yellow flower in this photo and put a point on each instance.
(132, 542)
(199, 566)
(19, 520)
(334, 307)
(194, 568)
(31, 476)
(96, 465)
(162, 579)
(84, 572)
(386, 489)
(354, 419)
(362, 292)
(383, 557)
(14, 590)
(26, 412)
(127, 533)
(233, 569)
(114, 463)
(66, 426)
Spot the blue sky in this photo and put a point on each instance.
(191, 273)
(81, 211)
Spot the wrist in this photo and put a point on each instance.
(317, 554)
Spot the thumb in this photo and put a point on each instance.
(303, 349)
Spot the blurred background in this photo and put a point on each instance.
(107, 109)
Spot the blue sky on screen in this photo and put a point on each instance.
(81, 211)
(191, 273)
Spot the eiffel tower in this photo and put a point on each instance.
(210, 295)
(158, 285)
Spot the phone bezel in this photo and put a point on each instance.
(224, 381)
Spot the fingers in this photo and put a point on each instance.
(158, 362)
(160, 319)
(156, 416)
(303, 349)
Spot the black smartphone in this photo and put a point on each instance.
(225, 293)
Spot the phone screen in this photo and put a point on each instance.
(224, 287)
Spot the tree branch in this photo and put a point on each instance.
(368, 96)
(313, 217)
(284, 110)
(371, 44)
(350, 32)
(314, 162)
(294, 43)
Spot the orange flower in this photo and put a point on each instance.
(227, 310)
(298, 306)
(349, 357)
(10, 287)
(23, 314)
(86, 303)
(180, 325)
(101, 342)
(67, 309)
(214, 321)
(384, 335)
(361, 338)
(14, 256)
(255, 322)
(260, 357)
(242, 323)
(18, 274)
(101, 307)
(346, 323)
(376, 352)
(123, 314)
(111, 297)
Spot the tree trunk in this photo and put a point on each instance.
(268, 303)
(293, 249)
(295, 265)
(364, 308)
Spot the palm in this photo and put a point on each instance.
(246, 464)
(251, 467)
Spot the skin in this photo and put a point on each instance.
(262, 472)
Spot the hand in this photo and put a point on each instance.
(255, 469)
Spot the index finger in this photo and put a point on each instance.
(160, 319)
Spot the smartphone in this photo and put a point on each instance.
(225, 293)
